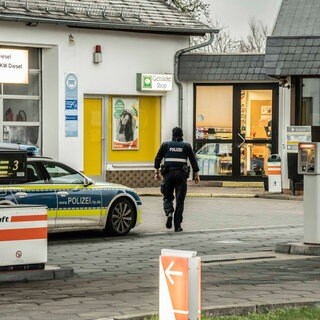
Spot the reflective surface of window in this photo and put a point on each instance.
(256, 114)
(20, 106)
(254, 159)
(214, 112)
(215, 159)
(221, 151)
(310, 108)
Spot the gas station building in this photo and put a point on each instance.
(92, 67)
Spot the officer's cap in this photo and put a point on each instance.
(177, 132)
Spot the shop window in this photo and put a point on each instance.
(255, 124)
(256, 114)
(254, 158)
(34, 58)
(215, 159)
(21, 134)
(310, 106)
(214, 112)
(23, 110)
(20, 105)
(30, 89)
(220, 109)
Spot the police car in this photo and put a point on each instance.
(74, 201)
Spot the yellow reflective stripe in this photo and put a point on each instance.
(51, 214)
(78, 213)
(139, 216)
(41, 187)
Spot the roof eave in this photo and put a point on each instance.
(110, 25)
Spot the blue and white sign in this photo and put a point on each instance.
(71, 106)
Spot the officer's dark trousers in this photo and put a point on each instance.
(175, 182)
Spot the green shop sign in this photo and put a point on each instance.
(154, 82)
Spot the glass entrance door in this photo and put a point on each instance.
(234, 134)
(214, 130)
(254, 137)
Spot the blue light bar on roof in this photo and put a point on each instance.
(31, 149)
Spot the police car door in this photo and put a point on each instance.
(36, 191)
(79, 206)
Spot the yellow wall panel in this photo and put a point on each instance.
(149, 133)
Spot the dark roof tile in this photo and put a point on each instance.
(293, 58)
(138, 15)
(227, 67)
(298, 18)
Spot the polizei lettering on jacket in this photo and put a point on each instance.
(176, 149)
(79, 200)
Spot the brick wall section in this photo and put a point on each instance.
(133, 178)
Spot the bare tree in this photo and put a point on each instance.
(223, 42)
(194, 8)
(256, 40)
(199, 10)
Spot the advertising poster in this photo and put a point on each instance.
(125, 124)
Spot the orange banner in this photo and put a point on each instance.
(23, 234)
(36, 217)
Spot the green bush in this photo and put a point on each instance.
(304, 313)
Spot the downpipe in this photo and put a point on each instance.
(176, 72)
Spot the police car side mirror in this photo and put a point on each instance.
(88, 182)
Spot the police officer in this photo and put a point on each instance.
(175, 171)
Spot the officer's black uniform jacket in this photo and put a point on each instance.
(175, 155)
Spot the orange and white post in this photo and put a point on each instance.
(180, 285)
(23, 235)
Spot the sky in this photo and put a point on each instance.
(235, 14)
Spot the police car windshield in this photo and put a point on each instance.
(62, 174)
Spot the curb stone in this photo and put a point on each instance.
(275, 196)
(48, 273)
(298, 249)
(238, 310)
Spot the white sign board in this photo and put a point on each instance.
(23, 234)
(13, 66)
(296, 134)
(154, 82)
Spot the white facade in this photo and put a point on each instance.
(124, 54)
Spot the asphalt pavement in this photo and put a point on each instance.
(233, 229)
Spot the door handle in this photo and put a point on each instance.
(242, 142)
(21, 194)
(62, 193)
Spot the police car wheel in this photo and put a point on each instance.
(120, 218)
